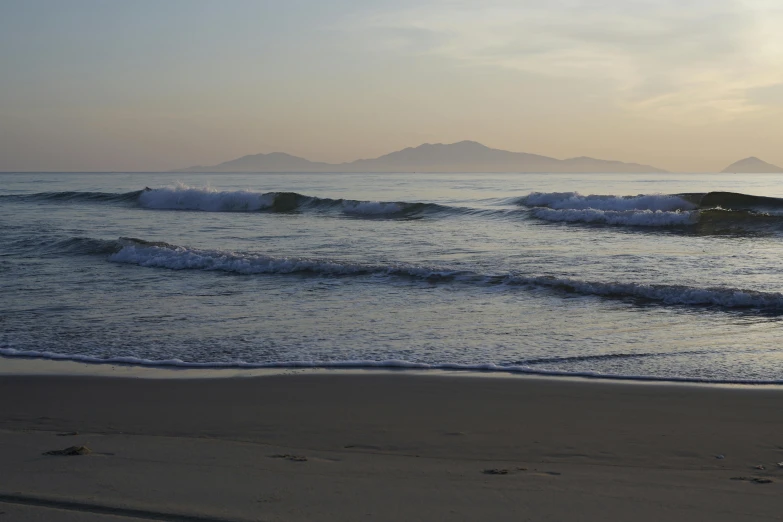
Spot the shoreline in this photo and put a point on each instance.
(34, 365)
(388, 446)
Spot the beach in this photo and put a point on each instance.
(391, 261)
(387, 446)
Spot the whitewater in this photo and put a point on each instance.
(606, 276)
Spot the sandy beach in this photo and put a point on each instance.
(387, 446)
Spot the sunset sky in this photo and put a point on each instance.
(685, 85)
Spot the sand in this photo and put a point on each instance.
(387, 446)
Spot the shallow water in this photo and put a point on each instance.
(511, 272)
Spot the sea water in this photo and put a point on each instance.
(671, 277)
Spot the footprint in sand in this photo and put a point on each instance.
(70, 451)
(495, 471)
(287, 456)
(503, 471)
(755, 480)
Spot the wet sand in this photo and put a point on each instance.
(387, 446)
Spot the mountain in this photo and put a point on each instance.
(274, 162)
(752, 165)
(465, 156)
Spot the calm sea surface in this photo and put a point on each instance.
(637, 276)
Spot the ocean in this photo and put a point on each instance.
(671, 277)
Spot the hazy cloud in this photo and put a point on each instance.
(665, 59)
(771, 95)
(684, 85)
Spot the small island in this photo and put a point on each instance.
(752, 165)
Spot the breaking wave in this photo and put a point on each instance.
(734, 201)
(179, 258)
(717, 210)
(182, 197)
(162, 255)
(207, 199)
(707, 212)
(576, 201)
(636, 218)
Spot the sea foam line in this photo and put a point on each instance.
(365, 365)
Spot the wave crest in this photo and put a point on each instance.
(180, 258)
(76, 196)
(665, 294)
(636, 218)
(183, 197)
(717, 211)
(576, 201)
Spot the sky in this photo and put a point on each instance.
(115, 85)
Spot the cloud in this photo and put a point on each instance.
(771, 95)
(669, 59)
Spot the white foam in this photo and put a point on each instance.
(183, 197)
(638, 218)
(361, 364)
(576, 201)
(178, 258)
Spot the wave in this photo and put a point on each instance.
(576, 201)
(76, 196)
(664, 294)
(705, 222)
(180, 258)
(159, 254)
(733, 201)
(48, 245)
(207, 199)
(391, 364)
(719, 211)
(90, 246)
(606, 357)
(182, 197)
(636, 218)
(711, 212)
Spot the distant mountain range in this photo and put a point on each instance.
(465, 156)
(752, 165)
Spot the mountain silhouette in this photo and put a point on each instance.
(752, 165)
(464, 156)
(274, 162)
